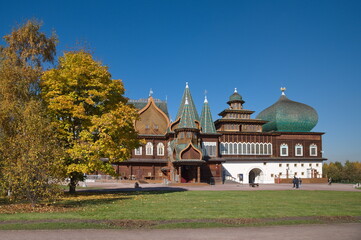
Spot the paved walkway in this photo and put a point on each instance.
(349, 231)
(118, 186)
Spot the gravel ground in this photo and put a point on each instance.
(349, 231)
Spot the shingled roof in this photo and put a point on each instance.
(187, 117)
(192, 107)
(206, 119)
(141, 103)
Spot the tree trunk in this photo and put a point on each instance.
(72, 185)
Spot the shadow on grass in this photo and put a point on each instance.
(77, 203)
(108, 196)
(130, 191)
(83, 198)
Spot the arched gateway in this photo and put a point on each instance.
(255, 176)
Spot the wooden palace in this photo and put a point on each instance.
(278, 144)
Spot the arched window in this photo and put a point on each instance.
(230, 150)
(239, 148)
(223, 148)
(160, 149)
(313, 149)
(269, 150)
(261, 148)
(149, 148)
(138, 151)
(209, 149)
(299, 150)
(244, 148)
(248, 148)
(235, 146)
(252, 149)
(257, 149)
(265, 149)
(284, 149)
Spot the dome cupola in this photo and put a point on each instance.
(288, 116)
(235, 97)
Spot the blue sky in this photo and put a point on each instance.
(313, 48)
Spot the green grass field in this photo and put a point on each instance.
(185, 209)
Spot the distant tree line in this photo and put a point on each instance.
(350, 172)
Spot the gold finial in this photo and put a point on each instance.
(283, 89)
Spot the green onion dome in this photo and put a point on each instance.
(288, 116)
(235, 97)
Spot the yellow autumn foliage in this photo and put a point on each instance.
(90, 114)
(30, 156)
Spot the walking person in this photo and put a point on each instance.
(329, 181)
(297, 183)
(294, 182)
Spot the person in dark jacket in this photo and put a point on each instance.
(294, 182)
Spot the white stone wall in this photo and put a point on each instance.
(270, 170)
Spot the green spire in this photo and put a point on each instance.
(187, 117)
(192, 107)
(206, 119)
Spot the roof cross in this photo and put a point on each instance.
(283, 89)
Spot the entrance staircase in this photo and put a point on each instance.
(187, 184)
(231, 180)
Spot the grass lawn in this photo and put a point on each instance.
(185, 209)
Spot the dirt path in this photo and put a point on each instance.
(232, 222)
(349, 231)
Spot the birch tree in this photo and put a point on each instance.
(30, 157)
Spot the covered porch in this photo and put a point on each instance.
(187, 171)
